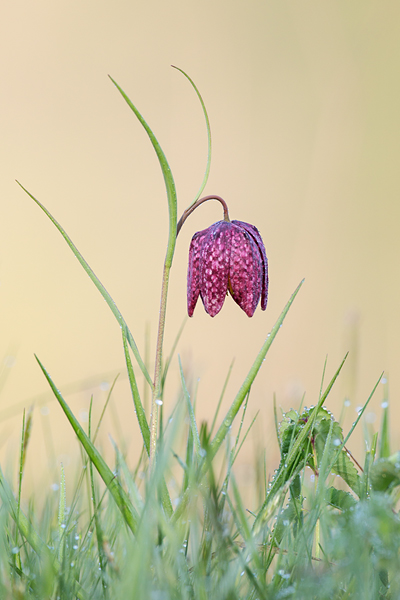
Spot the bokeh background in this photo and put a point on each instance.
(303, 99)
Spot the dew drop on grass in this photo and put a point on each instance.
(336, 442)
(15, 550)
(384, 380)
(159, 401)
(347, 402)
(55, 487)
(385, 404)
(75, 547)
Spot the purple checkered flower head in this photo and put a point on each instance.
(229, 256)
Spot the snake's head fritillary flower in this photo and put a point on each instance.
(228, 256)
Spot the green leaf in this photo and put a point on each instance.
(339, 499)
(118, 493)
(98, 284)
(385, 473)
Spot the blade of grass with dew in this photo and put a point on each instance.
(206, 174)
(139, 410)
(62, 505)
(193, 424)
(286, 467)
(124, 504)
(143, 425)
(98, 284)
(17, 557)
(384, 441)
(97, 524)
(238, 401)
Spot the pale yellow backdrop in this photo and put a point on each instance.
(303, 99)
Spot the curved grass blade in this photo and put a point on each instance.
(206, 174)
(98, 284)
(118, 493)
(166, 171)
(140, 414)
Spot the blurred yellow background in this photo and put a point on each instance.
(303, 99)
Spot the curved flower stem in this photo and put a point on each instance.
(189, 210)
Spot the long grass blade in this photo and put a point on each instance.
(241, 395)
(98, 284)
(167, 174)
(207, 172)
(118, 493)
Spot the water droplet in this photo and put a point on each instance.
(347, 402)
(44, 411)
(336, 442)
(385, 404)
(384, 380)
(159, 401)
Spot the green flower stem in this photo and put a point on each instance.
(193, 207)
(156, 391)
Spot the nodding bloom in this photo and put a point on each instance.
(229, 256)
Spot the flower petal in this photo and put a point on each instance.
(193, 276)
(245, 269)
(253, 231)
(214, 266)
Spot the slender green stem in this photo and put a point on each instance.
(193, 207)
(156, 392)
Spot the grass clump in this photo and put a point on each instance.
(175, 526)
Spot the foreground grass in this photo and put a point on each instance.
(337, 536)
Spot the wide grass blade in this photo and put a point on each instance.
(241, 395)
(167, 174)
(98, 284)
(118, 493)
